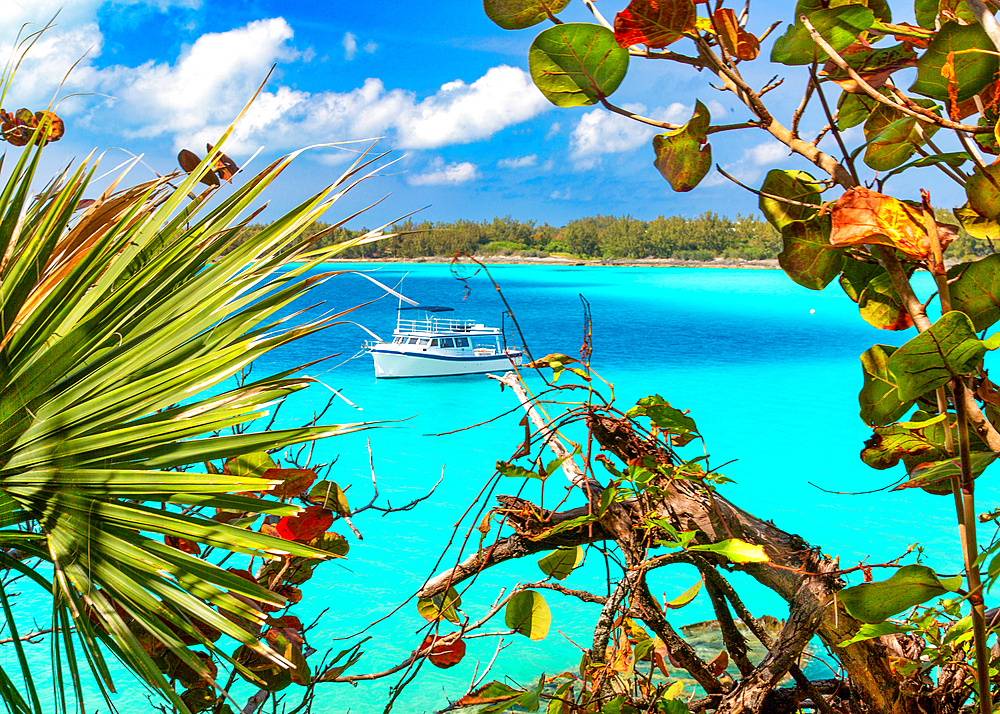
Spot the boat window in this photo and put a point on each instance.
(447, 342)
(434, 343)
(423, 341)
(461, 342)
(413, 341)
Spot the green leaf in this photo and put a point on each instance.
(954, 159)
(870, 631)
(839, 26)
(932, 477)
(974, 224)
(561, 562)
(911, 441)
(735, 550)
(514, 471)
(807, 256)
(684, 156)
(983, 190)
(685, 597)
(796, 186)
(666, 418)
(975, 62)
(881, 306)
(577, 64)
(440, 605)
(558, 705)
(528, 614)
(250, 465)
(879, 398)
(519, 14)
(949, 348)
(975, 290)
(909, 586)
(329, 495)
(10, 512)
(857, 274)
(895, 144)
(854, 109)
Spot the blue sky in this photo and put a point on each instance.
(446, 89)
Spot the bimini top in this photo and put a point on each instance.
(427, 308)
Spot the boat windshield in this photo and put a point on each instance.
(447, 342)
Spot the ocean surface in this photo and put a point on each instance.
(768, 369)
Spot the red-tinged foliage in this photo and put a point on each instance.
(294, 482)
(442, 655)
(738, 42)
(305, 526)
(18, 127)
(864, 217)
(654, 23)
(183, 544)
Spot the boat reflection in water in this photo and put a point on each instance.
(431, 346)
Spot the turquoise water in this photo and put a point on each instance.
(768, 369)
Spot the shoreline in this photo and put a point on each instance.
(731, 263)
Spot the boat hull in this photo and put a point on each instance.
(389, 365)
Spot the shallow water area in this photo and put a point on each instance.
(769, 370)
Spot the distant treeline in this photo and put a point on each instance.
(703, 238)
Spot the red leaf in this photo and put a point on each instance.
(442, 655)
(183, 544)
(738, 42)
(654, 23)
(305, 526)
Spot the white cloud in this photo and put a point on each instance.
(453, 173)
(518, 162)
(553, 130)
(350, 43)
(370, 47)
(767, 154)
(602, 132)
(193, 98)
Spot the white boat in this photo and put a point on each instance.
(440, 347)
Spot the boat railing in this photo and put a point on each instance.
(437, 324)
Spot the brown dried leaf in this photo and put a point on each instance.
(864, 217)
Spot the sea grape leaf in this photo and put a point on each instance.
(971, 57)
(442, 656)
(577, 64)
(854, 109)
(737, 41)
(519, 14)
(870, 631)
(561, 562)
(560, 703)
(975, 225)
(983, 190)
(293, 481)
(684, 156)
(879, 398)
(514, 471)
(685, 597)
(795, 186)
(839, 26)
(440, 605)
(735, 550)
(936, 477)
(908, 586)
(864, 217)
(908, 440)
(249, 465)
(654, 23)
(874, 65)
(807, 256)
(856, 276)
(975, 290)
(328, 494)
(881, 306)
(528, 614)
(491, 693)
(666, 418)
(895, 144)
(331, 543)
(954, 158)
(310, 523)
(949, 348)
